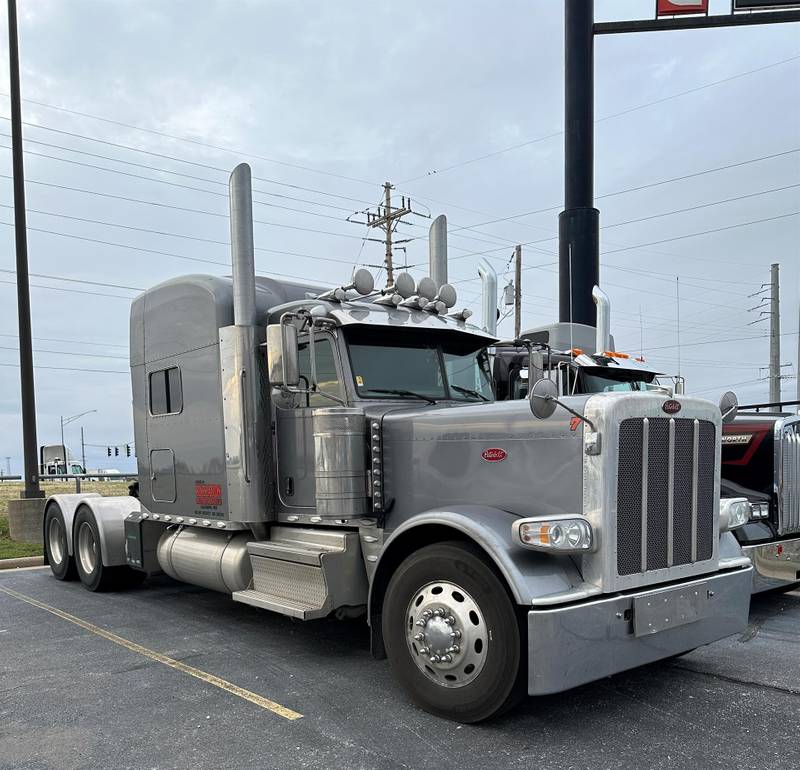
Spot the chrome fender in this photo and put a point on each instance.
(67, 504)
(109, 515)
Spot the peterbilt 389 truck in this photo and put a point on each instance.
(313, 452)
(760, 443)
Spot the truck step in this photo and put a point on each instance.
(306, 573)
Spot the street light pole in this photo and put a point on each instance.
(27, 384)
(578, 224)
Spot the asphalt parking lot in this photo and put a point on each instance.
(171, 676)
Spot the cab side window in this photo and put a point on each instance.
(327, 376)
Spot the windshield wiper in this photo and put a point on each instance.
(401, 392)
(469, 392)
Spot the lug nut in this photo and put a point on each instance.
(419, 637)
(446, 658)
(450, 620)
(456, 634)
(455, 648)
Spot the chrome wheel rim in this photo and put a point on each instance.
(87, 548)
(56, 541)
(446, 634)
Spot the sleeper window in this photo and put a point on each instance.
(166, 396)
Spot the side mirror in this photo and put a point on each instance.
(729, 406)
(543, 399)
(283, 355)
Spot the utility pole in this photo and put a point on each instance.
(27, 384)
(774, 335)
(83, 451)
(579, 223)
(387, 219)
(517, 290)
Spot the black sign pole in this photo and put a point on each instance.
(23, 291)
(578, 224)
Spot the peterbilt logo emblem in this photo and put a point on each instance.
(494, 455)
(672, 406)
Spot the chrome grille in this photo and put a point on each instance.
(789, 490)
(665, 493)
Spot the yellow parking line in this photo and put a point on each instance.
(240, 692)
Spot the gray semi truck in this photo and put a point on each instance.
(313, 452)
(760, 443)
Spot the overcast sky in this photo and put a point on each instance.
(329, 100)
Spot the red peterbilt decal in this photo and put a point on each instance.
(574, 423)
(494, 455)
(208, 494)
(671, 407)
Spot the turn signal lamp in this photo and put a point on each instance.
(614, 354)
(760, 511)
(734, 512)
(555, 534)
(576, 351)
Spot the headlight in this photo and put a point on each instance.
(556, 534)
(733, 512)
(760, 511)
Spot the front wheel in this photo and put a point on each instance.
(452, 633)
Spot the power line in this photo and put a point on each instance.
(219, 148)
(627, 111)
(70, 291)
(643, 186)
(71, 342)
(72, 369)
(76, 280)
(70, 353)
(704, 232)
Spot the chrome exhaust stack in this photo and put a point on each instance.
(242, 256)
(437, 246)
(488, 296)
(603, 328)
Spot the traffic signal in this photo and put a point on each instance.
(116, 451)
(127, 450)
(109, 451)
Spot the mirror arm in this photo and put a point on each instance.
(569, 409)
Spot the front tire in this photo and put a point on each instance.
(62, 565)
(452, 634)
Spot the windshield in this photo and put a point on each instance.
(407, 365)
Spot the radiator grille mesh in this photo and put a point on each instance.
(661, 520)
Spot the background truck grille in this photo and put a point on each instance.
(789, 509)
(665, 493)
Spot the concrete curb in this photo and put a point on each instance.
(26, 561)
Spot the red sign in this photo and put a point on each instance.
(494, 455)
(208, 494)
(677, 7)
(671, 406)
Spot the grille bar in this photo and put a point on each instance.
(645, 469)
(671, 495)
(665, 506)
(789, 512)
(695, 464)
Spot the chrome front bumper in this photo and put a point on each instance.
(569, 646)
(776, 564)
